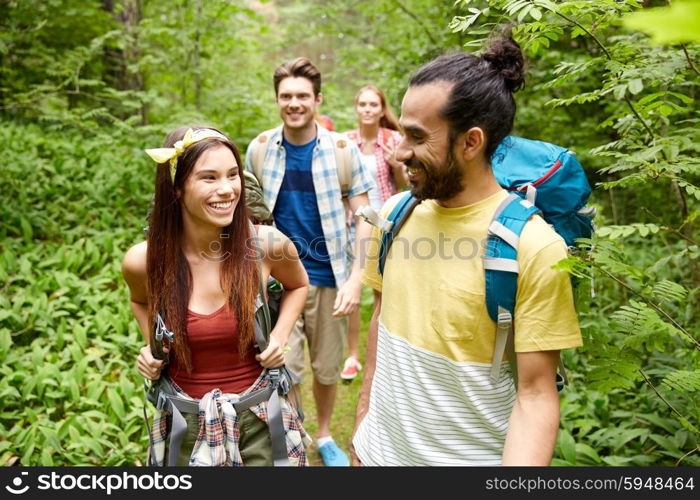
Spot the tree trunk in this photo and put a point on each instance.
(197, 63)
(121, 64)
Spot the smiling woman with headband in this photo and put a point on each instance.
(198, 275)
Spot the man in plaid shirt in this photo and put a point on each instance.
(296, 165)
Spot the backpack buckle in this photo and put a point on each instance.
(162, 331)
(371, 216)
(161, 401)
(504, 317)
(560, 382)
(274, 375)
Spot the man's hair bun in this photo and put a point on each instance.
(504, 56)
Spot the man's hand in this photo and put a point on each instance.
(148, 366)
(348, 298)
(273, 356)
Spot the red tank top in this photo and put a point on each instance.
(213, 340)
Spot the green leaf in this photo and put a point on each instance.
(93, 445)
(116, 402)
(46, 459)
(626, 436)
(567, 445)
(588, 452)
(64, 427)
(666, 443)
(667, 424)
(27, 232)
(5, 342)
(683, 380)
(26, 459)
(635, 86)
(80, 335)
(523, 13)
(619, 92)
(616, 461)
(668, 291)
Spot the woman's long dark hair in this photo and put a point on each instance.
(169, 274)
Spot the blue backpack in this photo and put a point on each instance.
(543, 179)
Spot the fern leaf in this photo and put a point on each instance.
(668, 291)
(683, 380)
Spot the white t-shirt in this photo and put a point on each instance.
(370, 163)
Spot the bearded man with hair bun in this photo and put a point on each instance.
(427, 396)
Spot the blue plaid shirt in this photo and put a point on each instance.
(326, 184)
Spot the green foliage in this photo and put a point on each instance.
(69, 391)
(360, 42)
(609, 431)
(79, 83)
(679, 22)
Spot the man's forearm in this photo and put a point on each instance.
(370, 362)
(532, 429)
(362, 236)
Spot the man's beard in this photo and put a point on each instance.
(441, 182)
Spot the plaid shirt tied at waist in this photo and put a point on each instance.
(219, 429)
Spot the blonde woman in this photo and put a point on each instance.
(377, 137)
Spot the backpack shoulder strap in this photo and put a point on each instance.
(501, 274)
(260, 144)
(343, 162)
(263, 322)
(398, 215)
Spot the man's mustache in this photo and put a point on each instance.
(413, 163)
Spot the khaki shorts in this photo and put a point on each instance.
(324, 333)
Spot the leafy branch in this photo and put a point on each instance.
(689, 59)
(417, 20)
(650, 384)
(651, 304)
(670, 229)
(551, 7)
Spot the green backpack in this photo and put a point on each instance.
(255, 201)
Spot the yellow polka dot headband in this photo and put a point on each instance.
(163, 155)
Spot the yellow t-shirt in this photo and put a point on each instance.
(434, 282)
(434, 327)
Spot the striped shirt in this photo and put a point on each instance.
(326, 184)
(432, 411)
